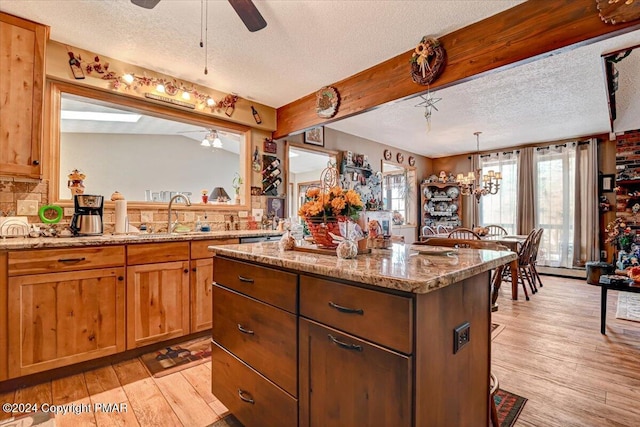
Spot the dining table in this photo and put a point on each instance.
(511, 241)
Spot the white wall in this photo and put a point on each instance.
(132, 164)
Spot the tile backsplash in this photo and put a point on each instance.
(14, 189)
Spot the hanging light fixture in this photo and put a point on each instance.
(471, 185)
(212, 139)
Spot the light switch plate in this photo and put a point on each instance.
(27, 207)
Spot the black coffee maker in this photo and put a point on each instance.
(87, 218)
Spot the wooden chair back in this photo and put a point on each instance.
(426, 232)
(463, 243)
(536, 246)
(524, 254)
(463, 233)
(496, 230)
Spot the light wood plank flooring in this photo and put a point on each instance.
(550, 351)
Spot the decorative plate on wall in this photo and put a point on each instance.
(387, 155)
(400, 157)
(412, 161)
(327, 101)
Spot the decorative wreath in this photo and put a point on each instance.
(427, 61)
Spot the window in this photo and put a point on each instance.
(399, 192)
(500, 208)
(554, 179)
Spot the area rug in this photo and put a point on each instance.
(227, 421)
(495, 330)
(177, 357)
(509, 406)
(628, 306)
(39, 419)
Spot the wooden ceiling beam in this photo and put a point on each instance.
(533, 29)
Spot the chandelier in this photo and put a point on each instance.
(471, 185)
(212, 139)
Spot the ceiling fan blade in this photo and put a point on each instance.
(147, 4)
(249, 14)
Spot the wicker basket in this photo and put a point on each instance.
(320, 229)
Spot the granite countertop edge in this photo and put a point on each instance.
(413, 279)
(16, 243)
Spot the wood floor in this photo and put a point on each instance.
(550, 351)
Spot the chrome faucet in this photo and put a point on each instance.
(187, 202)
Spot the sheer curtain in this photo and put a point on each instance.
(554, 179)
(500, 208)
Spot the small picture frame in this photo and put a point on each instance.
(275, 206)
(607, 183)
(315, 136)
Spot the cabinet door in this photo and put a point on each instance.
(351, 382)
(201, 302)
(22, 53)
(63, 318)
(157, 302)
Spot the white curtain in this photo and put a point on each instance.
(586, 231)
(500, 208)
(554, 189)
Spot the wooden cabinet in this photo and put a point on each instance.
(440, 204)
(343, 355)
(201, 281)
(157, 292)
(255, 346)
(62, 318)
(22, 57)
(354, 382)
(157, 302)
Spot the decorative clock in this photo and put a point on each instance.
(387, 155)
(400, 158)
(327, 101)
(412, 161)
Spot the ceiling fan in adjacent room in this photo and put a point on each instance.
(245, 9)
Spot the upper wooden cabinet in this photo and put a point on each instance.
(22, 53)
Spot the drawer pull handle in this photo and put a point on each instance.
(71, 259)
(241, 393)
(245, 279)
(245, 331)
(344, 344)
(342, 309)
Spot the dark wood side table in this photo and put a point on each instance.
(605, 285)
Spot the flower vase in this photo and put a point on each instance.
(321, 227)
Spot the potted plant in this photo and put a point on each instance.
(237, 184)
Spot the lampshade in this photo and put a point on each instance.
(219, 195)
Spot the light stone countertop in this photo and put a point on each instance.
(16, 243)
(401, 267)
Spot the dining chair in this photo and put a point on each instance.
(496, 230)
(533, 258)
(441, 229)
(463, 233)
(426, 232)
(524, 258)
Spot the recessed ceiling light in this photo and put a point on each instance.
(98, 116)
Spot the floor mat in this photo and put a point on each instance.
(177, 357)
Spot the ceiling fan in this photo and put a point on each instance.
(245, 9)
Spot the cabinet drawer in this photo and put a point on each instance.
(272, 286)
(253, 399)
(67, 259)
(199, 248)
(157, 252)
(261, 335)
(382, 318)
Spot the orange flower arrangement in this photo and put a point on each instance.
(334, 203)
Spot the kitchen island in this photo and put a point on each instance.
(395, 337)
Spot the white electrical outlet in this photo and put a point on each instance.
(27, 207)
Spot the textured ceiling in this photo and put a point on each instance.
(309, 44)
